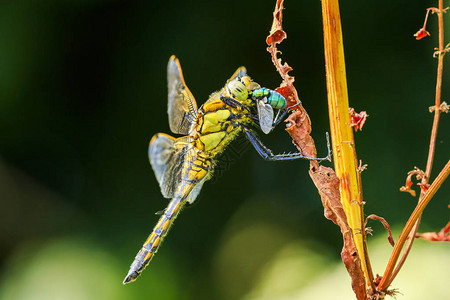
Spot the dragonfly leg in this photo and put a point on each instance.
(231, 102)
(255, 121)
(280, 118)
(267, 154)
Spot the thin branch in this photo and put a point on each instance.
(390, 274)
(437, 111)
(384, 283)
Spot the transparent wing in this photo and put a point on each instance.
(167, 156)
(241, 71)
(184, 153)
(265, 116)
(160, 151)
(182, 108)
(195, 191)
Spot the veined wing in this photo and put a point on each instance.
(195, 191)
(241, 71)
(265, 116)
(182, 108)
(167, 156)
(160, 151)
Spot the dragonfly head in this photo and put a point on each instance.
(241, 87)
(237, 90)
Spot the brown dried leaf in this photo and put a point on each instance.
(421, 34)
(325, 179)
(277, 35)
(299, 128)
(327, 183)
(407, 187)
(285, 68)
(441, 236)
(385, 224)
(289, 93)
(357, 120)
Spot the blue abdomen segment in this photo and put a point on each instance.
(275, 99)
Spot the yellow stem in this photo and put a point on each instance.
(341, 132)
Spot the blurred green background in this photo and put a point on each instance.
(83, 89)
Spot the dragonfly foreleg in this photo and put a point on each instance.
(255, 120)
(267, 154)
(278, 119)
(231, 102)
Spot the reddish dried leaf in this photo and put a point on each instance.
(357, 120)
(285, 68)
(441, 236)
(299, 128)
(289, 93)
(277, 35)
(407, 187)
(385, 224)
(282, 69)
(433, 237)
(325, 179)
(421, 34)
(299, 125)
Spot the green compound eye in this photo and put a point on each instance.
(237, 90)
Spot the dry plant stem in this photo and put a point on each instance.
(437, 97)
(409, 243)
(341, 133)
(385, 282)
(369, 272)
(325, 179)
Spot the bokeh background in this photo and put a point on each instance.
(83, 89)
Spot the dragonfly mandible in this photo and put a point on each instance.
(182, 165)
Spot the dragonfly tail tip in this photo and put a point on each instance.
(128, 279)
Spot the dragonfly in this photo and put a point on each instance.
(182, 165)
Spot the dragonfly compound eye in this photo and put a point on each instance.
(246, 80)
(237, 90)
(249, 83)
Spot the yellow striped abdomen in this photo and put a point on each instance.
(153, 242)
(194, 173)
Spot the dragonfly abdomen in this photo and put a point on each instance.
(154, 240)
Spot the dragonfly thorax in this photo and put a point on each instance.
(217, 124)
